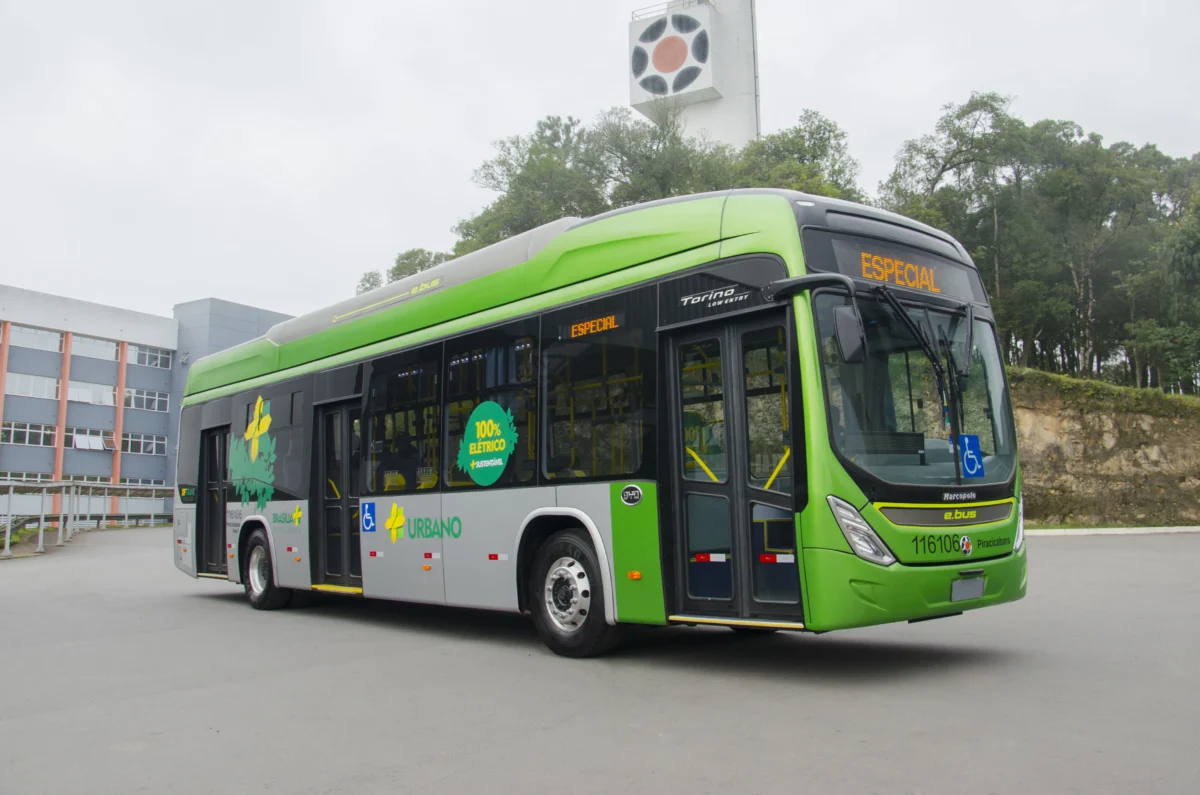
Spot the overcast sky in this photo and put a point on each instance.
(269, 152)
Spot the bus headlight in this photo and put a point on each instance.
(1020, 524)
(858, 533)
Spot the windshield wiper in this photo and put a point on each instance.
(956, 403)
(918, 333)
(945, 394)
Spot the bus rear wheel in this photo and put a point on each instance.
(566, 594)
(258, 575)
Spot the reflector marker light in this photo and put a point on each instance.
(635, 575)
(773, 558)
(497, 556)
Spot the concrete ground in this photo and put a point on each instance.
(120, 675)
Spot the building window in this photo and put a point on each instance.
(88, 478)
(40, 339)
(88, 439)
(28, 433)
(38, 386)
(143, 444)
(96, 394)
(95, 348)
(151, 357)
(146, 399)
(27, 477)
(143, 482)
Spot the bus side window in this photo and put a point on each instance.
(598, 362)
(402, 438)
(498, 365)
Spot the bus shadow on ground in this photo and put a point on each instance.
(834, 657)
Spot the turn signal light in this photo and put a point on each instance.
(297, 560)
(426, 567)
(635, 575)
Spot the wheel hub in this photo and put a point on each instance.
(259, 571)
(568, 594)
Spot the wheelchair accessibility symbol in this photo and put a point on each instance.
(368, 517)
(971, 456)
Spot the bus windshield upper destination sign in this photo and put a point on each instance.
(892, 263)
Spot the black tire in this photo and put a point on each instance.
(593, 635)
(271, 597)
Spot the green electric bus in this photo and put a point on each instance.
(756, 408)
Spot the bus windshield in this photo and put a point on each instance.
(891, 413)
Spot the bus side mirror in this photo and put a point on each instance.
(851, 338)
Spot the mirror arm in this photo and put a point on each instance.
(782, 288)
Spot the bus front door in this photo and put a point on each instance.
(336, 539)
(732, 470)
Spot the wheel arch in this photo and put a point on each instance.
(540, 525)
(247, 528)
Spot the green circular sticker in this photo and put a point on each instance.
(490, 438)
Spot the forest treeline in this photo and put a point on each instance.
(1090, 251)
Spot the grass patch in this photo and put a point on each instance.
(1033, 385)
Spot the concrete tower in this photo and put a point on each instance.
(701, 58)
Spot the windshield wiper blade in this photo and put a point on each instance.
(915, 329)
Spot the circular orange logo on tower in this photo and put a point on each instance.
(670, 54)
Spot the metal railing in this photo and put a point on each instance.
(662, 8)
(73, 514)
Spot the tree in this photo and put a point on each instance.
(370, 280)
(415, 260)
(812, 157)
(551, 173)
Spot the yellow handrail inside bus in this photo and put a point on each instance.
(787, 451)
(703, 466)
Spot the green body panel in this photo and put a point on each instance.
(756, 224)
(594, 249)
(847, 591)
(635, 548)
(576, 292)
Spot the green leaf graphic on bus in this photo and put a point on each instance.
(488, 442)
(252, 459)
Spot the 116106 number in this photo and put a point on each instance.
(938, 544)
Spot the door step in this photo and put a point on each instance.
(338, 589)
(210, 576)
(757, 623)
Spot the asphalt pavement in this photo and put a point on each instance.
(120, 675)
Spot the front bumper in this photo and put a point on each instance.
(846, 591)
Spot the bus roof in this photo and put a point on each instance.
(554, 255)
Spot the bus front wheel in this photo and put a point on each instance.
(566, 594)
(258, 575)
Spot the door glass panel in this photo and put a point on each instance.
(356, 451)
(773, 550)
(333, 541)
(354, 525)
(333, 456)
(710, 547)
(701, 395)
(764, 360)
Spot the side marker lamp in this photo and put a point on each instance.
(1020, 524)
